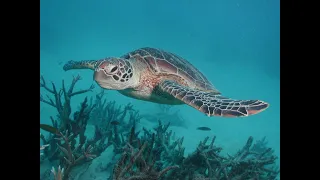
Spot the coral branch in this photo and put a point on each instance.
(124, 169)
(70, 156)
(58, 175)
(63, 106)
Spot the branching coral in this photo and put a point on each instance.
(206, 162)
(134, 165)
(111, 123)
(248, 163)
(59, 174)
(156, 154)
(72, 156)
(166, 151)
(63, 107)
(199, 162)
(106, 112)
(62, 102)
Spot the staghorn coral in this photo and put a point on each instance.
(200, 161)
(156, 150)
(72, 157)
(155, 154)
(51, 151)
(59, 174)
(62, 102)
(106, 112)
(72, 149)
(76, 126)
(111, 123)
(206, 162)
(249, 163)
(63, 107)
(134, 165)
(167, 152)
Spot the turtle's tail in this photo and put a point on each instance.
(227, 107)
(84, 64)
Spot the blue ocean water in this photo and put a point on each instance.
(234, 43)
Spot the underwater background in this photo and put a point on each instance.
(234, 43)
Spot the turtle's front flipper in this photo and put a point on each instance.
(84, 64)
(211, 104)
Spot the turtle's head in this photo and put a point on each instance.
(114, 73)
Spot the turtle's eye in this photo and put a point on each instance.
(114, 69)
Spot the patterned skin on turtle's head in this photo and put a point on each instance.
(114, 73)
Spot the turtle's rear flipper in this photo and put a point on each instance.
(211, 104)
(83, 64)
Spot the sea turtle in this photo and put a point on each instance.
(159, 76)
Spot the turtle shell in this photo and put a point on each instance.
(163, 62)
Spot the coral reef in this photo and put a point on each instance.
(72, 155)
(204, 163)
(105, 112)
(62, 103)
(135, 163)
(146, 154)
(72, 149)
(64, 107)
(64, 123)
(111, 122)
(167, 150)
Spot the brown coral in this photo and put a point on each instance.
(133, 166)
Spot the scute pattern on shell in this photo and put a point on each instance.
(161, 61)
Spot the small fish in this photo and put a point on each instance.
(115, 123)
(204, 128)
(49, 128)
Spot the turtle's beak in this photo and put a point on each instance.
(102, 79)
(105, 81)
(99, 75)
